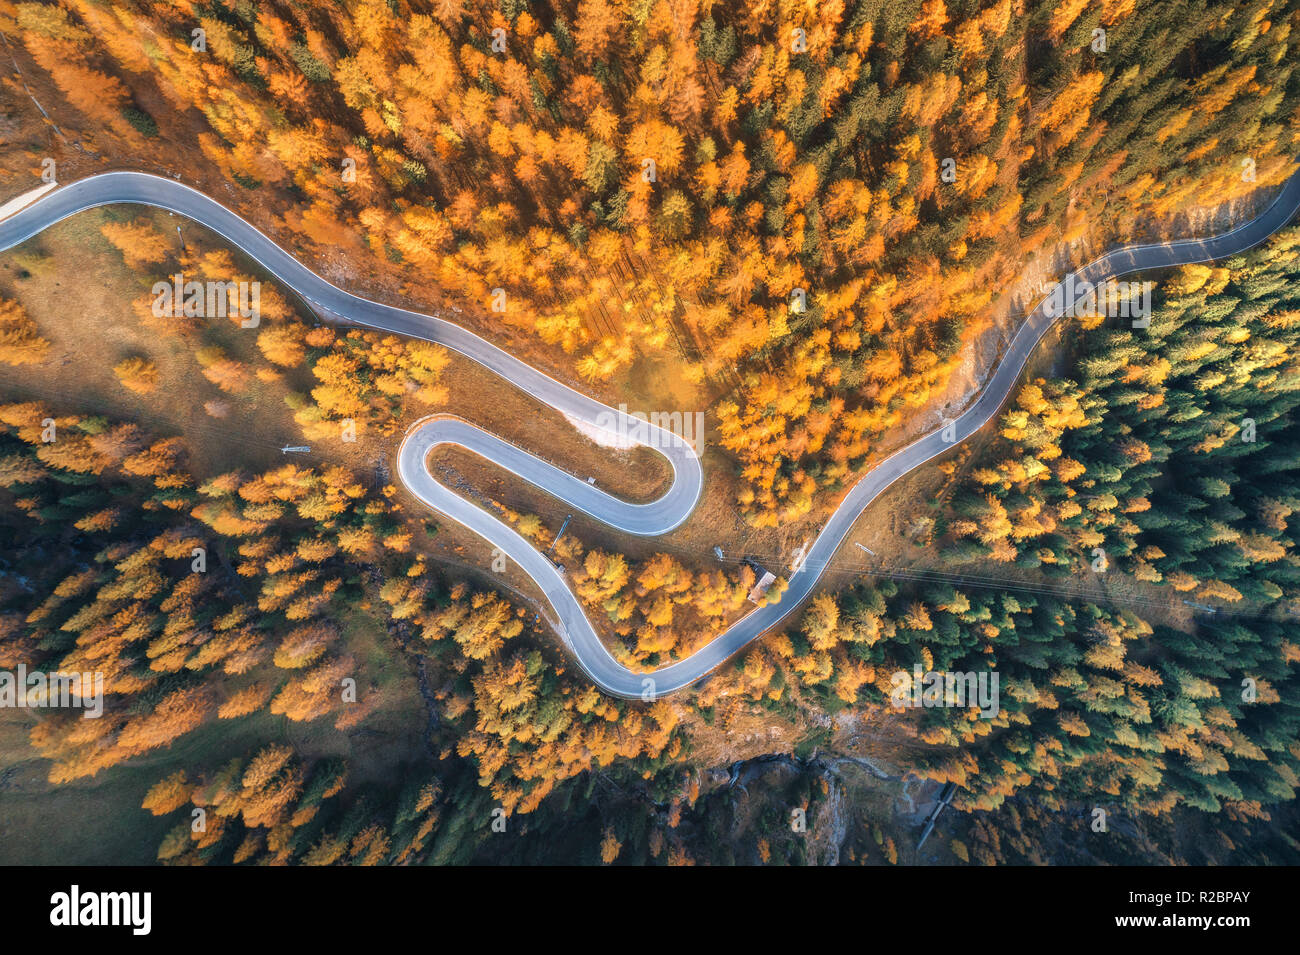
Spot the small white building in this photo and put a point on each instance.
(760, 588)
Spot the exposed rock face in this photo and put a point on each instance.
(828, 830)
(832, 822)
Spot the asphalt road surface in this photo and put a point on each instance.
(670, 510)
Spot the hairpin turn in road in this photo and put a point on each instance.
(675, 506)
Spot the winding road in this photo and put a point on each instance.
(667, 512)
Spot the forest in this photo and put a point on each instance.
(756, 196)
(806, 219)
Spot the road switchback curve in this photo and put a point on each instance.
(676, 504)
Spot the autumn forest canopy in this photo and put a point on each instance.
(817, 223)
(468, 148)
